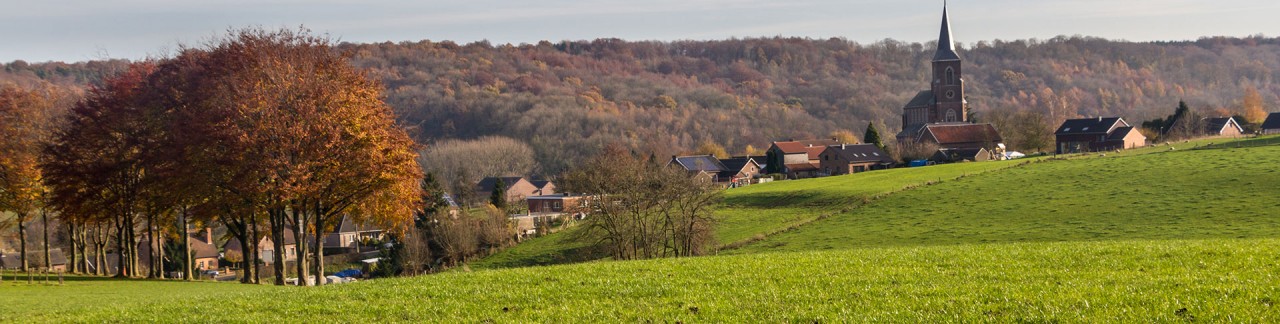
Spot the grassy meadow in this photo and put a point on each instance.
(1115, 281)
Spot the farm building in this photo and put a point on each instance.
(962, 154)
(1097, 134)
(517, 188)
(1222, 126)
(846, 159)
(1271, 125)
(796, 159)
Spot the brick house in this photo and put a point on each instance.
(852, 158)
(1096, 134)
(265, 248)
(739, 171)
(796, 159)
(347, 237)
(961, 154)
(1222, 126)
(517, 188)
(1271, 125)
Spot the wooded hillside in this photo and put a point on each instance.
(568, 99)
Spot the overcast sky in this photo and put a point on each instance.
(78, 30)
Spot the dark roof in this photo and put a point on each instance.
(910, 132)
(202, 249)
(486, 184)
(946, 46)
(707, 163)
(860, 153)
(792, 147)
(963, 133)
(922, 99)
(734, 165)
(347, 225)
(1272, 122)
(1215, 125)
(1099, 125)
(1121, 132)
(541, 184)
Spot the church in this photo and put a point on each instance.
(940, 115)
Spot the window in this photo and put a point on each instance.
(951, 76)
(951, 115)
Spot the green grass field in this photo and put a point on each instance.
(1118, 281)
(1155, 235)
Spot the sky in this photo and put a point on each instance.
(80, 30)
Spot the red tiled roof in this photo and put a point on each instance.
(964, 133)
(815, 151)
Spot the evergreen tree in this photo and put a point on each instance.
(873, 136)
(499, 196)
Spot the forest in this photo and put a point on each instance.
(568, 99)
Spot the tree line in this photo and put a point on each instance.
(263, 132)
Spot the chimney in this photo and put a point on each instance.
(841, 146)
(1099, 118)
(810, 145)
(208, 235)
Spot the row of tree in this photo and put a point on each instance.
(268, 133)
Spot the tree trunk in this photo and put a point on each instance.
(253, 220)
(73, 238)
(84, 248)
(152, 249)
(22, 241)
(186, 245)
(277, 219)
(318, 247)
(300, 248)
(120, 249)
(44, 217)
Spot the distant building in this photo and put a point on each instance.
(1222, 126)
(738, 171)
(940, 115)
(1096, 134)
(1271, 125)
(796, 159)
(847, 159)
(517, 188)
(961, 155)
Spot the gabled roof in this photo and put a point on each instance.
(200, 248)
(1272, 121)
(801, 167)
(793, 147)
(962, 153)
(1099, 125)
(347, 225)
(1122, 132)
(541, 184)
(695, 163)
(946, 47)
(962, 133)
(922, 99)
(486, 184)
(1215, 125)
(860, 153)
(733, 166)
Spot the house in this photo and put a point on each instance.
(738, 171)
(1096, 134)
(545, 187)
(265, 248)
(35, 260)
(699, 166)
(796, 159)
(1271, 125)
(959, 135)
(846, 159)
(204, 253)
(517, 188)
(1222, 126)
(556, 204)
(347, 237)
(961, 154)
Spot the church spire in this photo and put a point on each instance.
(946, 47)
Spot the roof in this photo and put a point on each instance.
(486, 184)
(541, 184)
(922, 99)
(735, 165)
(801, 167)
(1215, 125)
(946, 46)
(707, 163)
(34, 258)
(1272, 122)
(860, 153)
(347, 225)
(963, 133)
(1099, 125)
(792, 147)
(1122, 132)
(201, 249)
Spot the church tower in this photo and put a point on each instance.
(947, 84)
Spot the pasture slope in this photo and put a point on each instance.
(1159, 236)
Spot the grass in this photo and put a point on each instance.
(80, 296)
(753, 212)
(1215, 280)
(1203, 193)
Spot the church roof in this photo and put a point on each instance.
(946, 134)
(922, 99)
(946, 46)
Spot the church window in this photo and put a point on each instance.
(951, 76)
(951, 115)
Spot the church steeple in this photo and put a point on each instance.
(946, 47)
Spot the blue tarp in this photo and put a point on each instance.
(349, 273)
